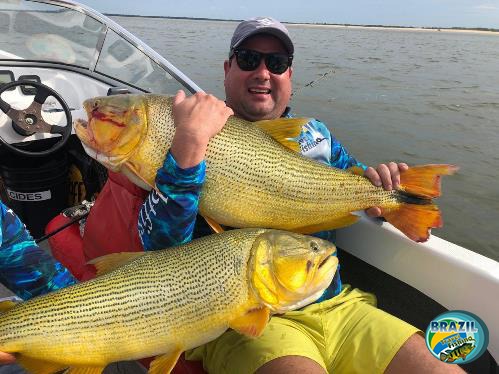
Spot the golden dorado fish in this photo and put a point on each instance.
(255, 176)
(162, 303)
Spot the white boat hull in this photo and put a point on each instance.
(455, 277)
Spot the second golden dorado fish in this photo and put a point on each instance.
(162, 303)
(255, 176)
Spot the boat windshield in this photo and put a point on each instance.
(44, 32)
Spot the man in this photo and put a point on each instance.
(26, 269)
(343, 332)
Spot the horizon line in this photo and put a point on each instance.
(312, 23)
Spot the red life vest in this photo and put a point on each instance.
(112, 223)
(111, 227)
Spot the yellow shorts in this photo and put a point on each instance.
(345, 334)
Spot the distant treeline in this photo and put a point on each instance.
(413, 27)
(317, 23)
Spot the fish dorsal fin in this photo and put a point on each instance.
(284, 130)
(252, 323)
(214, 225)
(108, 263)
(165, 363)
(35, 366)
(7, 305)
(331, 224)
(357, 170)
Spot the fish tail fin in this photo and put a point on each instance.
(414, 220)
(443, 356)
(417, 215)
(424, 180)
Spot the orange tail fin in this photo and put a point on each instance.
(424, 181)
(415, 221)
(421, 183)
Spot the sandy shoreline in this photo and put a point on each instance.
(293, 24)
(417, 29)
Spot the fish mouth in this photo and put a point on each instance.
(328, 265)
(327, 257)
(324, 261)
(87, 141)
(81, 129)
(321, 278)
(80, 122)
(327, 268)
(109, 162)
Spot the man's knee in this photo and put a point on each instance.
(291, 365)
(414, 357)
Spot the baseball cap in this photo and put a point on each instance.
(261, 25)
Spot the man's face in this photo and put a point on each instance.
(258, 94)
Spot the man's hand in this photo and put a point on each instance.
(197, 118)
(386, 175)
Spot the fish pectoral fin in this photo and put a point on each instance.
(284, 130)
(85, 370)
(357, 170)
(108, 263)
(327, 225)
(252, 323)
(165, 363)
(214, 225)
(35, 366)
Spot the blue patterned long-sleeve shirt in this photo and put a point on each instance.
(25, 268)
(168, 218)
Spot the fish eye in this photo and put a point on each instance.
(314, 246)
(96, 104)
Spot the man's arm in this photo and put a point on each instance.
(25, 268)
(384, 175)
(168, 215)
(197, 118)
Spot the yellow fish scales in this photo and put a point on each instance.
(255, 176)
(165, 302)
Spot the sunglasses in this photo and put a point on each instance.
(249, 60)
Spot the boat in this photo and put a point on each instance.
(64, 52)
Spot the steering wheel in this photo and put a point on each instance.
(29, 121)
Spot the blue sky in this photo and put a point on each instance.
(429, 13)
